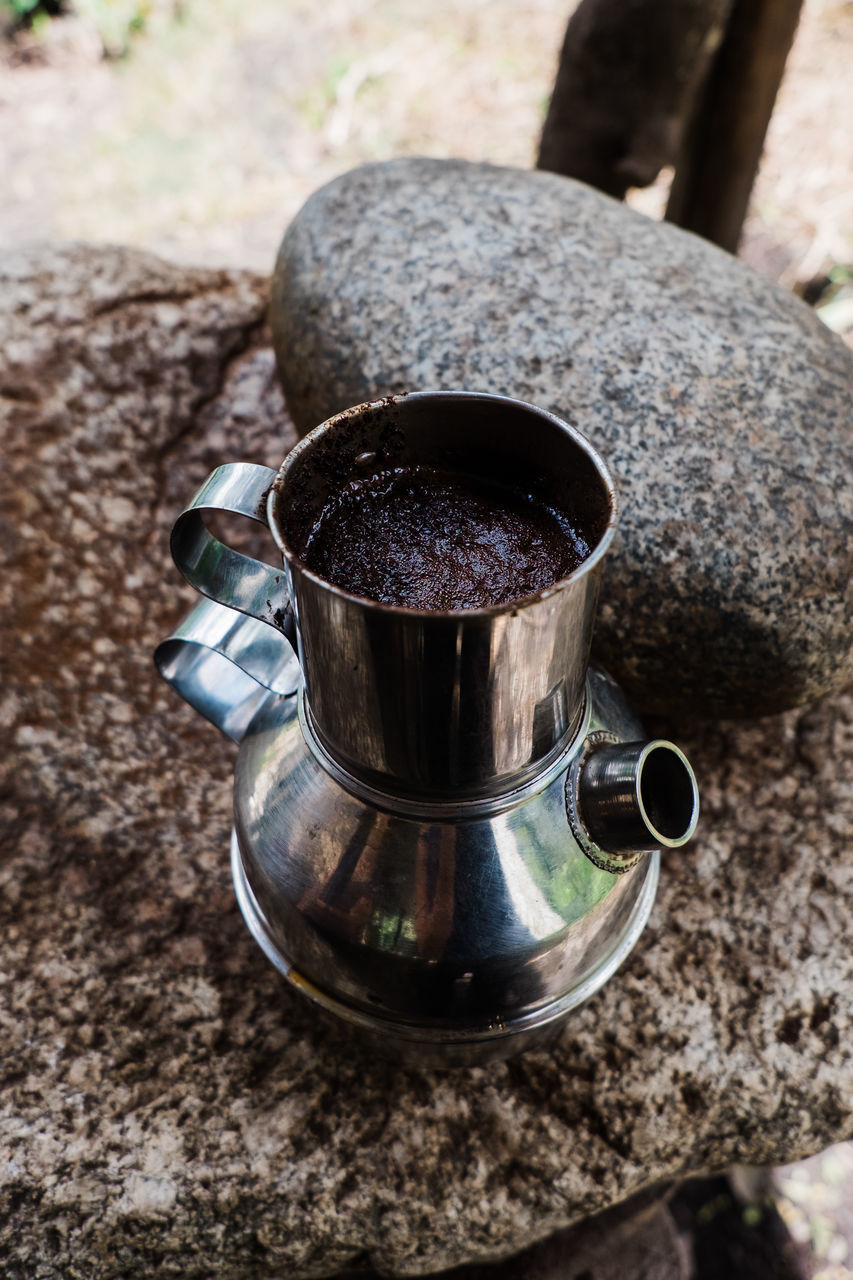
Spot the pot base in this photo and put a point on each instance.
(437, 1046)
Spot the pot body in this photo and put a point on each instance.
(450, 933)
(421, 702)
(460, 702)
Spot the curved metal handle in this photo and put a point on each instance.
(217, 571)
(226, 665)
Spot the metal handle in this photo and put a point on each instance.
(219, 572)
(226, 665)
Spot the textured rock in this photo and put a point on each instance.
(721, 402)
(635, 1241)
(166, 1105)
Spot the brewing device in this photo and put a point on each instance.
(447, 824)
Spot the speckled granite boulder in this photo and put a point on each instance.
(167, 1106)
(722, 404)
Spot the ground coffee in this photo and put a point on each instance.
(430, 539)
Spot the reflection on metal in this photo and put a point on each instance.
(224, 664)
(455, 938)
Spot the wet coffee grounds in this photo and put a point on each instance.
(430, 539)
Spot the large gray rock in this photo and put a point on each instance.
(723, 405)
(167, 1105)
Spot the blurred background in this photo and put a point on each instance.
(196, 129)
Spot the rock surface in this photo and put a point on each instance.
(721, 403)
(166, 1104)
(635, 1241)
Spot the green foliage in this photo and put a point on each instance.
(318, 102)
(713, 1208)
(19, 8)
(835, 306)
(25, 12)
(116, 21)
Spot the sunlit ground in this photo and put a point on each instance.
(207, 136)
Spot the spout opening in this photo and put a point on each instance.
(668, 795)
(632, 797)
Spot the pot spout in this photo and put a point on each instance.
(637, 796)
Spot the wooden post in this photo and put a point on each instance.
(723, 144)
(629, 74)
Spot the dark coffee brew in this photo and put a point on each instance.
(424, 538)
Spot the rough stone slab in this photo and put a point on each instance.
(721, 402)
(166, 1105)
(636, 1240)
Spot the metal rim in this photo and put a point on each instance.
(689, 828)
(586, 566)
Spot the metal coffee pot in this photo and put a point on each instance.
(447, 824)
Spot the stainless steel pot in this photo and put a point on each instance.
(446, 826)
